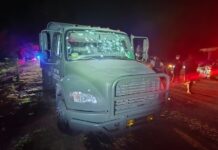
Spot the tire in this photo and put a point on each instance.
(63, 126)
(62, 122)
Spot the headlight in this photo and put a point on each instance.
(183, 66)
(80, 97)
(170, 66)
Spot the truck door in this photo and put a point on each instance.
(56, 54)
(45, 61)
(50, 45)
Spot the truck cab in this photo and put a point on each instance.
(98, 83)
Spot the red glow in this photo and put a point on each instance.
(21, 62)
(192, 76)
(214, 72)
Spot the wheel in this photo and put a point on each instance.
(62, 122)
(61, 110)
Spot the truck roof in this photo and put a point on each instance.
(59, 26)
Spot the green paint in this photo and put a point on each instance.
(92, 61)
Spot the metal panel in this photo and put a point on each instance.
(137, 85)
(128, 104)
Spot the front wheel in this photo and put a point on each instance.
(62, 122)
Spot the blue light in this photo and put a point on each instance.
(38, 57)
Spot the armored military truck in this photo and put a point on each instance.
(99, 85)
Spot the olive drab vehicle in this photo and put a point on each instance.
(99, 85)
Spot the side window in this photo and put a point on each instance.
(56, 45)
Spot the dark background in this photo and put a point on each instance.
(173, 28)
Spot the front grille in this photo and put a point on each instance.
(136, 85)
(135, 93)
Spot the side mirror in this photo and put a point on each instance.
(145, 49)
(145, 45)
(43, 41)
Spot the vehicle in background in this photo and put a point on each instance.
(204, 70)
(28, 51)
(99, 85)
(208, 67)
(214, 72)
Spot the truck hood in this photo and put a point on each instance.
(105, 71)
(98, 77)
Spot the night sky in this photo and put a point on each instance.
(172, 27)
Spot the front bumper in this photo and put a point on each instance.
(113, 126)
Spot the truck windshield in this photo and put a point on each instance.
(92, 44)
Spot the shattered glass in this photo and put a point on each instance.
(90, 43)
